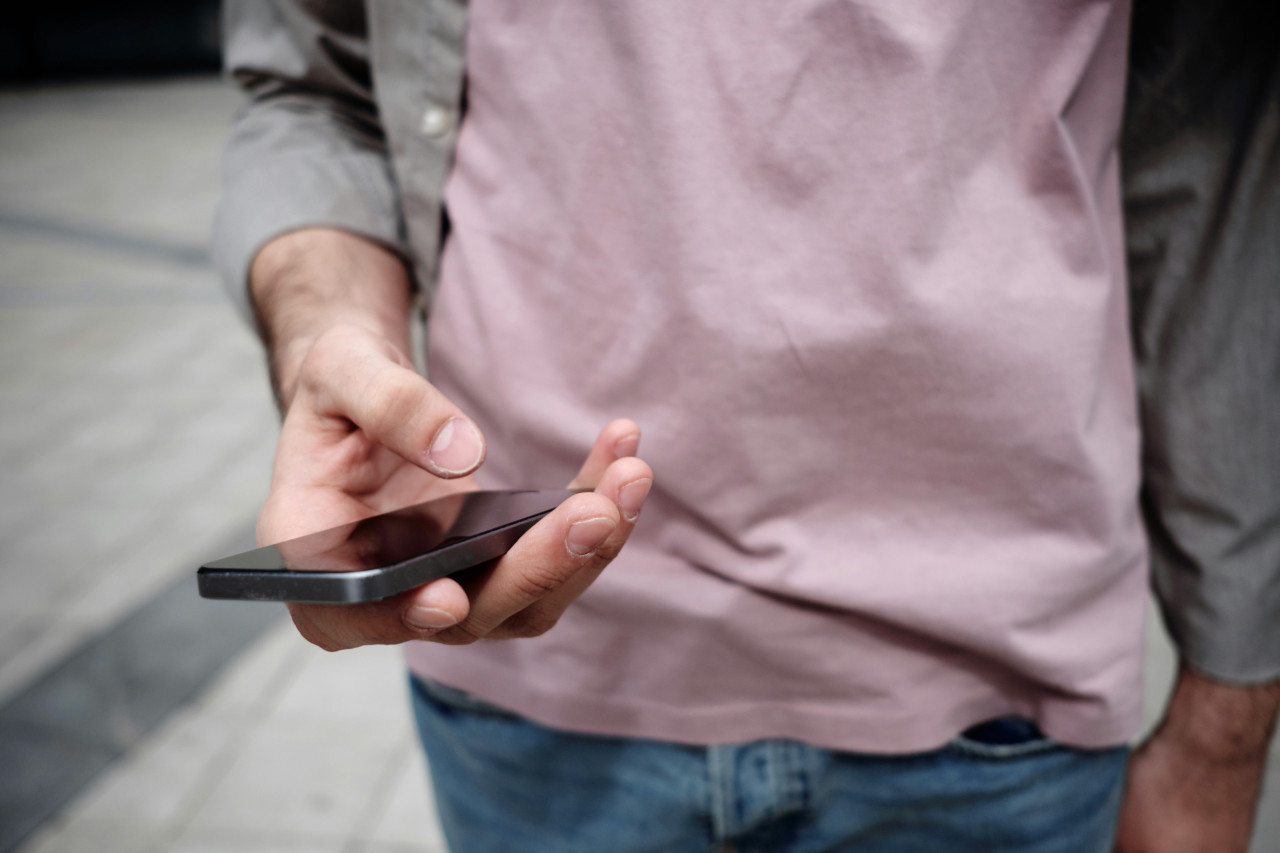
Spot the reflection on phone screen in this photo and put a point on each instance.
(394, 537)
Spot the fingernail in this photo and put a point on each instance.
(632, 496)
(585, 537)
(626, 446)
(457, 448)
(424, 618)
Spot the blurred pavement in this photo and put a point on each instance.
(135, 442)
(136, 433)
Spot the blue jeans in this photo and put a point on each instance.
(504, 783)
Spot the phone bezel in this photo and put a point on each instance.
(364, 585)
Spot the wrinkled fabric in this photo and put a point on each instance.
(857, 270)
(333, 135)
(1202, 199)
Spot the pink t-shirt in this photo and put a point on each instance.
(856, 268)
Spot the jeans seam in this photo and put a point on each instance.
(718, 759)
(710, 811)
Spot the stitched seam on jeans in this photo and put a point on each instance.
(722, 823)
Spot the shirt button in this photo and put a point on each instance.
(436, 121)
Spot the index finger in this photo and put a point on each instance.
(553, 563)
(561, 545)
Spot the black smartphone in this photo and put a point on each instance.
(384, 555)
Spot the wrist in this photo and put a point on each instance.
(1220, 724)
(305, 282)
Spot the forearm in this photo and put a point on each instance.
(307, 281)
(1221, 724)
(1193, 786)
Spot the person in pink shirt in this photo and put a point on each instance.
(858, 270)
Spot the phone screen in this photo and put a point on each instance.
(398, 536)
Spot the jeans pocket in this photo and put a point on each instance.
(452, 699)
(1002, 739)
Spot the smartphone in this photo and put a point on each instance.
(384, 555)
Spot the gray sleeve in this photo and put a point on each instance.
(307, 148)
(1201, 151)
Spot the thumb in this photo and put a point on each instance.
(351, 376)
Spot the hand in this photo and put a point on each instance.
(364, 434)
(1193, 786)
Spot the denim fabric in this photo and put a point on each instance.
(504, 783)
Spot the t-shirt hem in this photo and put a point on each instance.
(1072, 722)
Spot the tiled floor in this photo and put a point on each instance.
(135, 441)
(293, 749)
(135, 431)
(136, 434)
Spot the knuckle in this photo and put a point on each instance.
(387, 395)
(328, 347)
(533, 624)
(464, 633)
(394, 398)
(331, 339)
(537, 581)
(323, 360)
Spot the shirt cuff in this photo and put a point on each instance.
(273, 196)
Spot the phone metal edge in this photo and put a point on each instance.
(364, 585)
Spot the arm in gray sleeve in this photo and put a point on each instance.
(1202, 201)
(307, 149)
